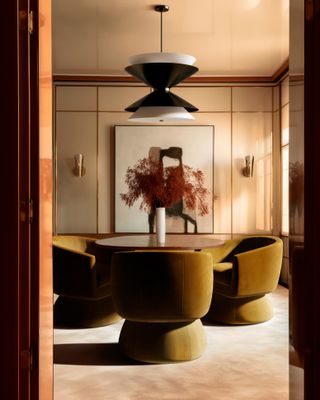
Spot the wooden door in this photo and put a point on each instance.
(304, 199)
(311, 263)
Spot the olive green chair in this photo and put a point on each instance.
(162, 295)
(244, 271)
(81, 278)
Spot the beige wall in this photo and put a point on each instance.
(246, 120)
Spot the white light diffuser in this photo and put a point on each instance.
(161, 114)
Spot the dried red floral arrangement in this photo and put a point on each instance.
(160, 186)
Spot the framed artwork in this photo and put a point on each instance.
(194, 146)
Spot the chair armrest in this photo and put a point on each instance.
(223, 274)
(220, 252)
(257, 271)
(222, 267)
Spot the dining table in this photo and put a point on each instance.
(195, 242)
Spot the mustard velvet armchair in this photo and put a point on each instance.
(81, 278)
(162, 295)
(245, 270)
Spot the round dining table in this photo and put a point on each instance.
(149, 242)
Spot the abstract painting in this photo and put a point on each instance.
(191, 145)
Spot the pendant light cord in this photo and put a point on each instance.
(161, 8)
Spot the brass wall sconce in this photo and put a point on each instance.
(248, 169)
(79, 169)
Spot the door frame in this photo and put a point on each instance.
(15, 294)
(26, 284)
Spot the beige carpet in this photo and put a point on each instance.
(240, 363)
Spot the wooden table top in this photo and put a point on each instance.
(149, 242)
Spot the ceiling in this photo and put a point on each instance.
(227, 37)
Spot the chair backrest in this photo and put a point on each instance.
(159, 286)
(256, 268)
(76, 243)
(247, 244)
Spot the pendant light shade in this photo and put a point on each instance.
(161, 75)
(161, 98)
(161, 71)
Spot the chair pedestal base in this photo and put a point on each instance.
(163, 342)
(238, 311)
(72, 313)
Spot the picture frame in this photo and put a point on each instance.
(134, 142)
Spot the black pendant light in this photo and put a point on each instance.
(161, 71)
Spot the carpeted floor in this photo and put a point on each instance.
(240, 363)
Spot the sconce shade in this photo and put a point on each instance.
(79, 169)
(160, 114)
(161, 75)
(248, 169)
(161, 98)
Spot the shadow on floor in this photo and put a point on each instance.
(90, 354)
(208, 322)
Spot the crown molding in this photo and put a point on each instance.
(278, 75)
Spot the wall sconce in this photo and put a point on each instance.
(248, 169)
(79, 169)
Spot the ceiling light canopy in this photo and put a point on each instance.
(161, 71)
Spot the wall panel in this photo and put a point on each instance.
(76, 132)
(117, 98)
(285, 91)
(251, 197)
(76, 98)
(252, 99)
(276, 174)
(206, 98)
(222, 168)
(106, 168)
(276, 97)
(285, 124)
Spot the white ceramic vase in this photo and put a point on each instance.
(161, 224)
